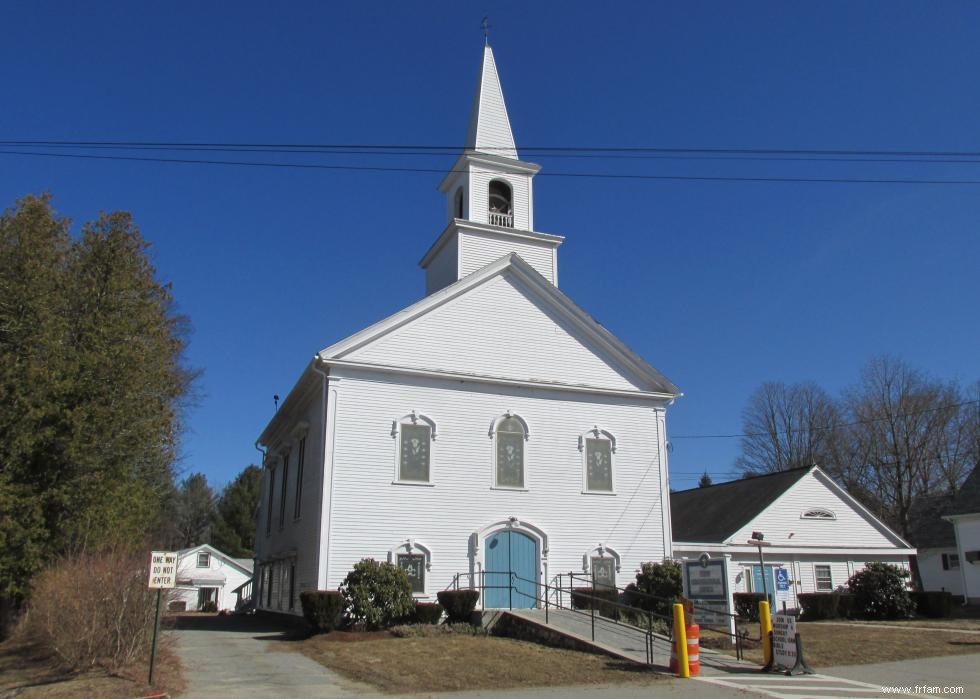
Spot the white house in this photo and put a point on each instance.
(947, 531)
(205, 574)
(491, 426)
(816, 535)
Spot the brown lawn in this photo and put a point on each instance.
(826, 645)
(456, 661)
(32, 674)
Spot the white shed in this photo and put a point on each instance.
(205, 574)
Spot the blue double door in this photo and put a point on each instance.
(511, 567)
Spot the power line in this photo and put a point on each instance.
(827, 427)
(372, 168)
(458, 148)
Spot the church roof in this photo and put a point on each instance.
(489, 130)
(653, 381)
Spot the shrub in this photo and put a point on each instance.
(845, 605)
(603, 599)
(377, 594)
(459, 604)
(93, 610)
(210, 606)
(657, 586)
(747, 604)
(818, 605)
(322, 609)
(879, 592)
(936, 605)
(428, 612)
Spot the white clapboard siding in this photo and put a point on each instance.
(296, 540)
(443, 270)
(370, 514)
(496, 329)
(480, 249)
(783, 525)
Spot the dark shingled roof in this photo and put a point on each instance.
(711, 515)
(927, 528)
(967, 500)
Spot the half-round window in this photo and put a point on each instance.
(818, 513)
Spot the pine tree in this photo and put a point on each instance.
(234, 525)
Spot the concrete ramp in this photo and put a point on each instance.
(622, 640)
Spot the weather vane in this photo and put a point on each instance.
(485, 26)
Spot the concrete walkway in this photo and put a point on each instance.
(240, 657)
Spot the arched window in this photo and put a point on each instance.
(413, 434)
(501, 204)
(509, 432)
(415, 558)
(818, 513)
(597, 447)
(458, 203)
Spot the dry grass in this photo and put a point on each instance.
(455, 662)
(827, 645)
(33, 674)
(947, 624)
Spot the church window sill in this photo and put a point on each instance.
(598, 492)
(424, 484)
(508, 487)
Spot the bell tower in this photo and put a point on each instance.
(490, 197)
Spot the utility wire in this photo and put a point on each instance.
(457, 148)
(617, 176)
(827, 427)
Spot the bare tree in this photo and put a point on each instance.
(906, 435)
(786, 426)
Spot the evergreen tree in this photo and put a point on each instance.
(91, 384)
(195, 511)
(705, 480)
(234, 522)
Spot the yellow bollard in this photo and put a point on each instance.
(680, 640)
(765, 629)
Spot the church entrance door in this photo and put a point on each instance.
(511, 571)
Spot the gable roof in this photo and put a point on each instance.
(967, 498)
(548, 294)
(716, 512)
(243, 564)
(927, 528)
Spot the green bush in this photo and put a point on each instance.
(845, 605)
(879, 592)
(322, 609)
(459, 604)
(819, 605)
(427, 612)
(657, 586)
(377, 594)
(935, 605)
(210, 607)
(747, 604)
(603, 599)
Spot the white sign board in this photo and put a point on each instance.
(163, 569)
(784, 640)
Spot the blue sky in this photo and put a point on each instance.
(721, 285)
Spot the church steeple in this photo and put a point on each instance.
(489, 196)
(489, 130)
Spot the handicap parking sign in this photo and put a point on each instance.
(782, 579)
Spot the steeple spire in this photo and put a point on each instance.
(489, 130)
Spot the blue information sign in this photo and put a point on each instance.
(782, 579)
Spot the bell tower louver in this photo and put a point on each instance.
(490, 197)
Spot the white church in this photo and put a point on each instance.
(491, 427)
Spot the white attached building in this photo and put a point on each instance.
(205, 574)
(947, 532)
(491, 426)
(818, 535)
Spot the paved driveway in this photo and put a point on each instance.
(233, 656)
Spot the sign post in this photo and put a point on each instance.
(163, 576)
